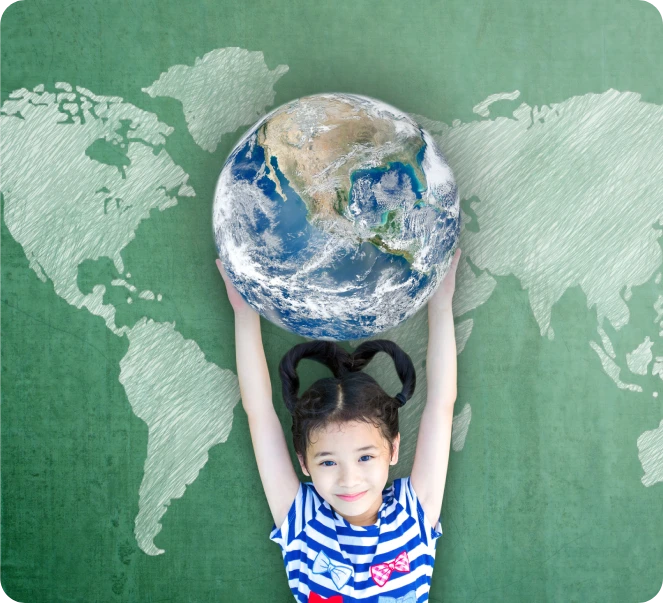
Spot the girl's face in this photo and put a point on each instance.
(350, 459)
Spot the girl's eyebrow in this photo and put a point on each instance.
(371, 447)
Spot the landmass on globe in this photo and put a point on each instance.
(321, 149)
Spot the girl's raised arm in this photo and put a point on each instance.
(431, 458)
(277, 473)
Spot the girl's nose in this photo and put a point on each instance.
(349, 478)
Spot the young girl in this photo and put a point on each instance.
(344, 536)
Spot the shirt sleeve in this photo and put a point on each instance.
(410, 501)
(302, 510)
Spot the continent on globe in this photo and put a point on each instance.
(336, 216)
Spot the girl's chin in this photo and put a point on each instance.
(354, 509)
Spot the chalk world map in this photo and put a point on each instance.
(558, 196)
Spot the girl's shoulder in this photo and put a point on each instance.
(398, 486)
(407, 499)
(303, 510)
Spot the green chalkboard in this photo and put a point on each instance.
(116, 119)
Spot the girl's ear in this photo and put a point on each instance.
(301, 464)
(397, 444)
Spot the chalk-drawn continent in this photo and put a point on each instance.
(225, 89)
(80, 172)
(569, 195)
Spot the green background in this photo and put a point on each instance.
(544, 503)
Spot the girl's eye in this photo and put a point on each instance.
(324, 465)
(368, 457)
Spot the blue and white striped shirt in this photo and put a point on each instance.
(325, 556)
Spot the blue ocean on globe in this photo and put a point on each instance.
(336, 216)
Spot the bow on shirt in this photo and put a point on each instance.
(410, 597)
(316, 598)
(340, 574)
(381, 571)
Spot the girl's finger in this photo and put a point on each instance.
(456, 258)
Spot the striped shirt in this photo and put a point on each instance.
(327, 558)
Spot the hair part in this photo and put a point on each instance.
(350, 395)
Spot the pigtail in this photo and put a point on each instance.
(402, 361)
(325, 352)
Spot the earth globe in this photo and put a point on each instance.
(336, 216)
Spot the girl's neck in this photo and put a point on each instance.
(368, 518)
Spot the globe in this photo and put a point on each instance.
(336, 216)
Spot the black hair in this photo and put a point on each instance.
(350, 395)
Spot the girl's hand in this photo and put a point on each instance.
(442, 297)
(236, 300)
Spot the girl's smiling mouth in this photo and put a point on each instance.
(352, 497)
